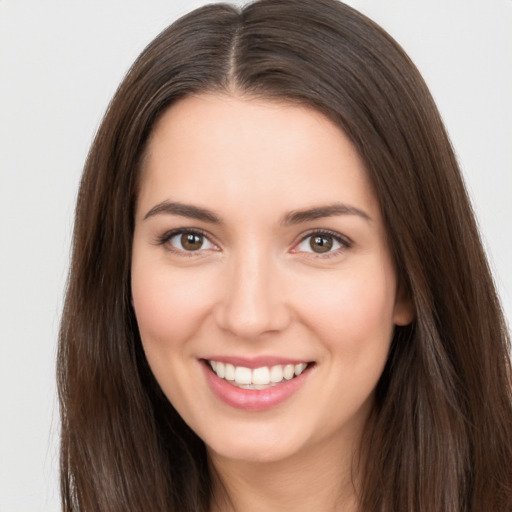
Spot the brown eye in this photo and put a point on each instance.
(187, 241)
(191, 241)
(323, 243)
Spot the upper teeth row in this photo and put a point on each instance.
(258, 376)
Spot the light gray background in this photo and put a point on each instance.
(60, 63)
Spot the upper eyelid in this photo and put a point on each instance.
(343, 239)
(337, 236)
(165, 237)
(173, 232)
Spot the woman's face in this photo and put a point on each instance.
(260, 250)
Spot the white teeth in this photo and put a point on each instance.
(299, 368)
(220, 370)
(276, 373)
(229, 372)
(261, 375)
(258, 378)
(243, 375)
(289, 371)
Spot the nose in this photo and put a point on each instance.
(252, 302)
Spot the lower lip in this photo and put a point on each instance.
(253, 399)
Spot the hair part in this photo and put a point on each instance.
(439, 435)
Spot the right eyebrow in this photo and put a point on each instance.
(183, 210)
(319, 212)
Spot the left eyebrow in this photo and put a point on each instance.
(183, 210)
(319, 212)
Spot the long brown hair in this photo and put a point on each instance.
(439, 438)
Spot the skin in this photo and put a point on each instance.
(256, 287)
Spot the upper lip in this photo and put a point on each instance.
(256, 362)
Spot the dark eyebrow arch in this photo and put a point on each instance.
(183, 210)
(332, 210)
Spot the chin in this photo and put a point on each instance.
(256, 445)
(254, 453)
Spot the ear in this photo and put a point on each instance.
(404, 311)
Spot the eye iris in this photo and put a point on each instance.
(321, 243)
(191, 241)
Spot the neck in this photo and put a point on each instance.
(319, 479)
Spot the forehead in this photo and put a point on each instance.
(245, 151)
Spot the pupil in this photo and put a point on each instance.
(321, 243)
(191, 241)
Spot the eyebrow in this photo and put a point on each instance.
(290, 219)
(183, 210)
(332, 210)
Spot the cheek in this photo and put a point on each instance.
(353, 321)
(354, 313)
(169, 306)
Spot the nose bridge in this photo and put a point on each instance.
(251, 303)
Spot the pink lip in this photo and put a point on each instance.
(255, 362)
(253, 399)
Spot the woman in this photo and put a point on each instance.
(278, 298)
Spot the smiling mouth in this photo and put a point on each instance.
(257, 378)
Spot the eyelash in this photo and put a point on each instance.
(169, 235)
(344, 242)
